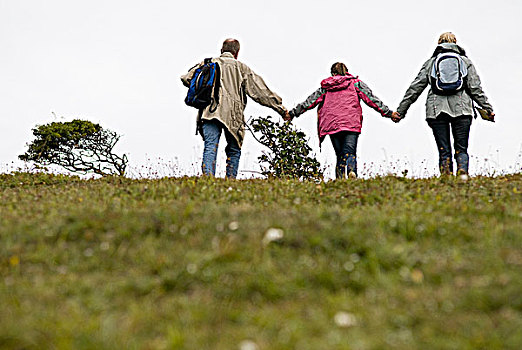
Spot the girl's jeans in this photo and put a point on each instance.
(345, 146)
(211, 134)
(441, 130)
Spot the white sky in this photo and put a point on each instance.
(118, 62)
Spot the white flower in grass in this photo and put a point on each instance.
(345, 319)
(248, 345)
(355, 258)
(349, 266)
(192, 268)
(234, 225)
(273, 234)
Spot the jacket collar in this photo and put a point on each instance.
(227, 55)
(449, 47)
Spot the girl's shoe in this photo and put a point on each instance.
(463, 175)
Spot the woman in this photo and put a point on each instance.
(340, 114)
(447, 110)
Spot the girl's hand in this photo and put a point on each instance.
(396, 117)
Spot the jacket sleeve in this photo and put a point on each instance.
(311, 102)
(185, 78)
(475, 89)
(256, 89)
(365, 94)
(415, 90)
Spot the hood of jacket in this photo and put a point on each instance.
(337, 82)
(449, 47)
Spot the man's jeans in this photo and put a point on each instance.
(441, 130)
(211, 134)
(345, 146)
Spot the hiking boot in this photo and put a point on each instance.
(352, 175)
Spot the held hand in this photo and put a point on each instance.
(396, 117)
(287, 117)
(492, 116)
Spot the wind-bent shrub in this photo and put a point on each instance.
(78, 146)
(289, 154)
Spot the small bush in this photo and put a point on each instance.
(78, 146)
(289, 154)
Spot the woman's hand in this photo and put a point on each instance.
(396, 117)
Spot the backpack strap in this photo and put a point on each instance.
(217, 86)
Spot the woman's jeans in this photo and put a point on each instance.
(211, 134)
(345, 146)
(441, 130)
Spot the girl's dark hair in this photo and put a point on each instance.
(339, 68)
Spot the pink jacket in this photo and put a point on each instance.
(339, 104)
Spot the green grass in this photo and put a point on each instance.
(182, 264)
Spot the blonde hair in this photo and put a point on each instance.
(447, 37)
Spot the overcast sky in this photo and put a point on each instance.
(118, 62)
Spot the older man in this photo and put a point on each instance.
(237, 82)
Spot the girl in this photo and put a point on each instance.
(340, 114)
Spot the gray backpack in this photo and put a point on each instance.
(448, 74)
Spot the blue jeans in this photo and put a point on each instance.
(441, 130)
(211, 134)
(345, 146)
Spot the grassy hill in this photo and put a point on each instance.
(196, 263)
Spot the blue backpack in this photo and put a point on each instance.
(204, 86)
(448, 74)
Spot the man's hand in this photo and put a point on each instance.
(396, 117)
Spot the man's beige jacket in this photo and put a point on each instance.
(237, 82)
